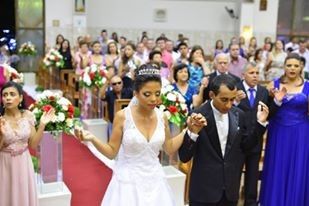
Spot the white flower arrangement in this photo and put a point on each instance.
(93, 76)
(174, 106)
(53, 58)
(27, 49)
(64, 112)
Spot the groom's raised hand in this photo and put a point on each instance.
(196, 122)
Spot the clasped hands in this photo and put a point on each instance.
(196, 122)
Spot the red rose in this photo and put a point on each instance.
(14, 76)
(71, 109)
(46, 108)
(102, 73)
(172, 109)
(92, 75)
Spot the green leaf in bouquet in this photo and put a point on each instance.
(35, 162)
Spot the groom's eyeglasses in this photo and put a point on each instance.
(115, 83)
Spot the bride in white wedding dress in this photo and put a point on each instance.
(140, 130)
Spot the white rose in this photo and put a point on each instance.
(167, 88)
(64, 102)
(171, 97)
(60, 117)
(58, 64)
(93, 68)
(168, 114)
(183, 107)
(52, 57)
(87, 79)
(35, 111)
(69, 122)
(162, 107)
(181, 98)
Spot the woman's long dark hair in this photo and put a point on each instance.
(19, 89)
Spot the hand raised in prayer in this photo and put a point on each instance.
(262, 112)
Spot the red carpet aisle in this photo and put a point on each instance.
(85, 175)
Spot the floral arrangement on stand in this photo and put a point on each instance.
(27, 49)
(64, 112)
(93, 76)
(13, 74)
(174, 106)
(53, 59)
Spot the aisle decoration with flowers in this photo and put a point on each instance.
(53, 59)
(27, 49)
(93, 76)
(174, 106)
(64, 112)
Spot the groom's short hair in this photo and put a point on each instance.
(223, 79)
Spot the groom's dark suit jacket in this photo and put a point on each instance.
(212, 174)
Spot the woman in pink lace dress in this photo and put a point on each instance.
(17, 133)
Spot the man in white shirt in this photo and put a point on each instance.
(218, 149)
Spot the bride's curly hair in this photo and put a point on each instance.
(146, 73)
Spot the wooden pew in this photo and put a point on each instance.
(186, 169)
(73, 93)
(96, 109)
(64, 80)
(120, 104)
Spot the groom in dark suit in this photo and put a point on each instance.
(218, 149)
(248, 97)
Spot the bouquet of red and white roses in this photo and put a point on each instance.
(93, 76)
(174, 106)
(53, 58)
(27, 49)
(63, 120)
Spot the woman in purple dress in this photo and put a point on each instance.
(285, 177)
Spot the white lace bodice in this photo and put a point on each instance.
(138, 158)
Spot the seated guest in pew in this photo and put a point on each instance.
(181, 85)
(117, 92)
(139, 133)
(17, 133)
(218, 149)
(221, 64)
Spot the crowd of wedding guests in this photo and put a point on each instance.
(120, 57)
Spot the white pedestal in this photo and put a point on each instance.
(98, 127)
(62, 198)
(29, 78)
(176, 180)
